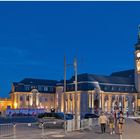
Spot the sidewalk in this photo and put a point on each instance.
(93, 133)
(131, 130)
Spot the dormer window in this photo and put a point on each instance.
(45, 88)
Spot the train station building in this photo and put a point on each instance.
(120, 90)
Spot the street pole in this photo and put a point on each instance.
(64, 84)
(64, 103)
(76, 113)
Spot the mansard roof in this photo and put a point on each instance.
(38, 81)
(105, 83)
(126, 73)
(27, 84)
(104, 79)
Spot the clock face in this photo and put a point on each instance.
(138, 54)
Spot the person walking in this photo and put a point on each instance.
(111, 121)
(103, 122)
(121, 123)
(115, 117)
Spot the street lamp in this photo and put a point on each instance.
(75, 82)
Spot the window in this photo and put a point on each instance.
(51, 89)
(33, 87)
(27, 87)
(40, 88)
(112, 88)
(126, 89)
(45, 88)
(51, 99)
(119, 89)
(105, 88)
(46, 99)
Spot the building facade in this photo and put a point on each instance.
(5, 103)
(98, 92)
(33, 93)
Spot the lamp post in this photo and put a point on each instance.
(75, 82)
(64, 85)
(76, 111)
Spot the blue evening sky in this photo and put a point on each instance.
(34, 36)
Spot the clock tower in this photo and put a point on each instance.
(137, 62)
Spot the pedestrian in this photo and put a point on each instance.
(121, 123)
(111, 121)
(103, 122)
(118, 114)
(127, 114)
(115, 117)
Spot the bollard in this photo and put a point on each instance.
(65, 127)
(42, 130)
(14, 131)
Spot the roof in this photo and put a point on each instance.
(104, 79)
(125, 73)
(38, 82)
(27, 84)
(105, 83)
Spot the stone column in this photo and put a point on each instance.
(37, 99)
(62, 102)
(31, 99)
(18, 102)
(72, 103)
(130, 104)
(92, 102)
(68, 102)
(109, 103)
(116, 100)
(103, 102)
(78, 102)
(100, 100)
(136, 104)
(25, 100)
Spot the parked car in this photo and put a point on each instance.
(53, 120)
(91, 115)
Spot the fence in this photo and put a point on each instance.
(6, 130)
(82, 124)
(50, 129)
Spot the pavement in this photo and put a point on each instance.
(131, 131)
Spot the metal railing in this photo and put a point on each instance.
(46, 130)
(6, 130)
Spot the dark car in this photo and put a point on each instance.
(53, 120)
(90, 115)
